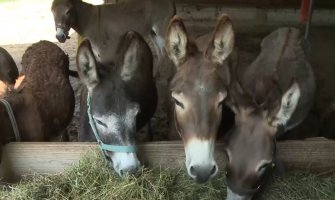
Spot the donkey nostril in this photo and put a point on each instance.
(133, 170)
(213, 170)
(136, 169)
(128, 171)
(192, 170)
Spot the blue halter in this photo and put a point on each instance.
(103, 146)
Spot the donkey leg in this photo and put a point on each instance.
(328, 129)
(58, 136)
(149, 129)
(279, 167)
(1, 147)
(64, 136)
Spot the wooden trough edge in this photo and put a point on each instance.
(317, 155)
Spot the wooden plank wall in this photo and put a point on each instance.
(328, 4)
(315, 155)
(261, 3)
(249, 16)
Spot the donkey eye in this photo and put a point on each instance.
(178, 103)
(100, 123)
(265, 166)
(68, 12)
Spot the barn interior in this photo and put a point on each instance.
(252, 20)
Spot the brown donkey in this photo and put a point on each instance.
(270, 96)
(43, 105)
(104, 25)
(198, 90)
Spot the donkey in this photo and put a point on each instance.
(8, 69)
(43, 104)
(104, 25)
(269, 97)
(198, 90)
(120, 99)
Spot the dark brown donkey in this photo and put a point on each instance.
(104, 25)
(8, 69)
(198, 90)
(43, 105)
(122, 99)
(270, 96)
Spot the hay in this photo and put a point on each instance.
(91, 179)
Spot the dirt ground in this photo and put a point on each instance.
(20, 29)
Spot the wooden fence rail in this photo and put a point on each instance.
(256, 3)
(317, 155)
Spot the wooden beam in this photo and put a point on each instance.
(328, 4)
(24, 158)
(260, 3)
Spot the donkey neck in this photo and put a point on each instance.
(85, 14)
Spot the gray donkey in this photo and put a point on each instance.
(119, 100)
(104, 25)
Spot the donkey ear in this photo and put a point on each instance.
(288, 105)
(86, 64)
(222, 42)
(135, 54)
(176, 41)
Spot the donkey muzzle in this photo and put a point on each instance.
(233, 196)
(125, 163)
(62, 35)
(200, 163)
(202, 174)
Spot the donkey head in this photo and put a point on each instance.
(113, 109)
(8, 69)
(64, 16)
(259, 115)
(198, 92)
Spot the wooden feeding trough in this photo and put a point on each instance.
(315, 155)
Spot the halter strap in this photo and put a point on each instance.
(12, 119)
(103, 146)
